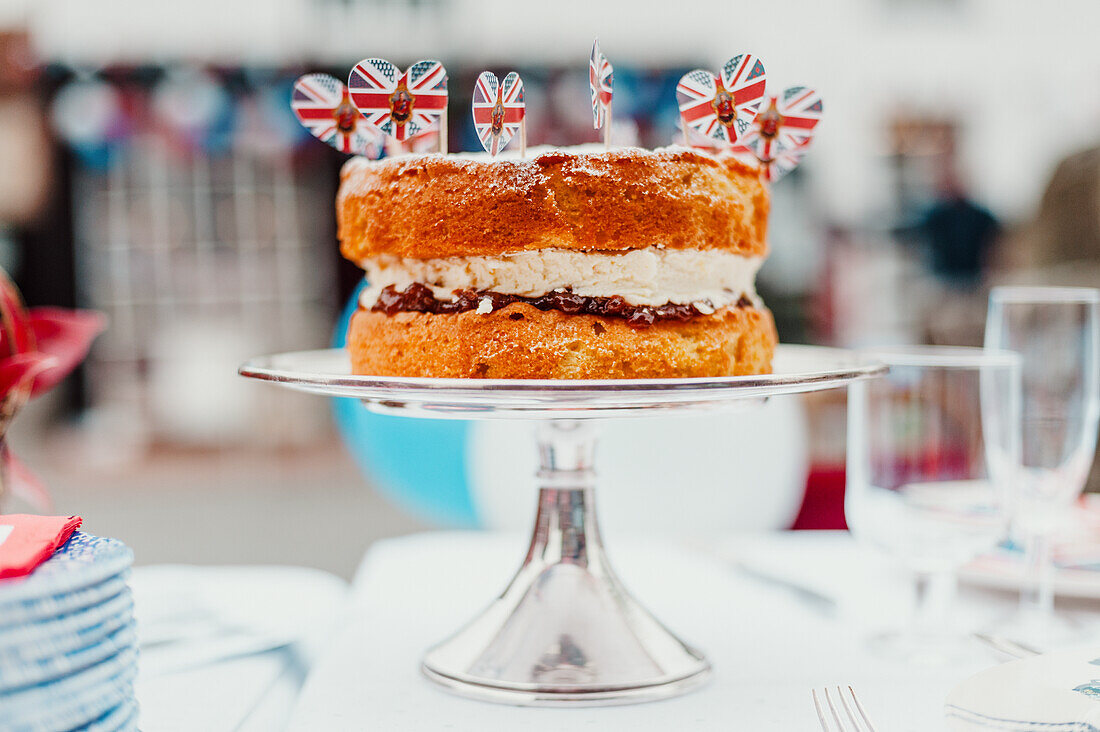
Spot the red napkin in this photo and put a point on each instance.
(31, 540)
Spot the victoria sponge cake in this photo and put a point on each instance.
(576, 263)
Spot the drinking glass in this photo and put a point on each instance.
(1055, 332)
(931, 451)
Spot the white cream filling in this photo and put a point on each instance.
(650, 276)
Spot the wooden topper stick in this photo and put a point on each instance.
(687, 142)
(607, 127)
(523, 137)
(443, 132)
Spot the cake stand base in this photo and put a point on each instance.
(565, 631)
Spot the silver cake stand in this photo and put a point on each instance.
(565, 631)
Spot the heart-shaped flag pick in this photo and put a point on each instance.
(401, 104)
(787, 122)
(601, 78)
(782, 163)
(321, 103)
(723, 108)
(498, 110)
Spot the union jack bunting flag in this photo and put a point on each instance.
(723, 108)
(401, 104)
(321, 103)
(498, 109)
(787, 123)
(601, 78)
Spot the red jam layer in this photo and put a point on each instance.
(419, 298)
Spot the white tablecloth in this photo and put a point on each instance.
(768, 646)
(201, 628)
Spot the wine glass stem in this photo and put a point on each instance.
(935, 593)
(1037, 598)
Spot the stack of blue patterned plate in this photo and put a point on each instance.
(68, 647)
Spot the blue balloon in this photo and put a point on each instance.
(419, 464)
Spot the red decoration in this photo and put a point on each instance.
(32, 540)
(38, 348)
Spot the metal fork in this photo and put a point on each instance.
(1008, 646)
(839, 710)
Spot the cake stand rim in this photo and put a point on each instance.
(857, 367)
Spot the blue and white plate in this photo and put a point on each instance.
(44, 608)
(43, 652)
(39, 671)
(83, 623)
(75, 700)
(122, 717)
(1055, 692)
(82, 561)
(115, 719)
(130, 725)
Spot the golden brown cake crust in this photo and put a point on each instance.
(432, 206)
(523, 342)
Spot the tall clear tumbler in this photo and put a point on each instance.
(1056, 332)
(931, 451)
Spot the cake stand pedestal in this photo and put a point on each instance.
(565, 631)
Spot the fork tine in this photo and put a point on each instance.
(820, 712)
(862, 711)
(828, 709)
(832, 709)
(847, 708)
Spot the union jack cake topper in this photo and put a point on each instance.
(498, 111)
(722, 107)
(601, 78)
(786, 122)
(781, 133)
(321, 103)
(401, 104)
